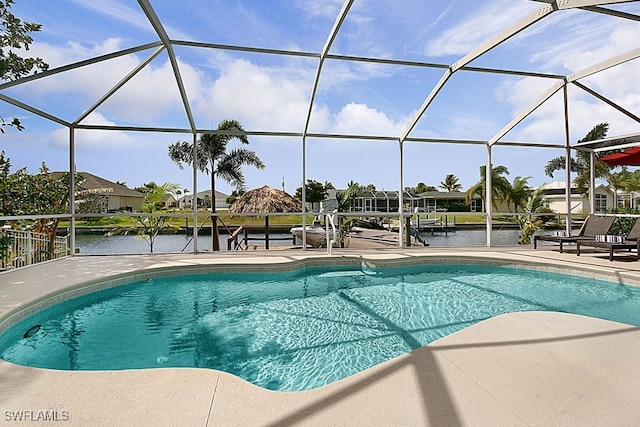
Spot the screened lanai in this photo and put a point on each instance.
(388, 93)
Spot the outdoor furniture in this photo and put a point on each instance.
(593, 226)
(632, 242)
(611, 246)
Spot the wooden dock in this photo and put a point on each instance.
(371, 239)
(361, 239)
(436, 228)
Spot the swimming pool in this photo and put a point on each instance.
(294, 330)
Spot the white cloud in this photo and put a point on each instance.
(91, 139)
(261, 98)
(478, 27)
(618, 84)
(360, 119)
(521, 92)
(585, 45)
(150, 95)
(320, 9)
(340, 73)
(273, 99)
(584, 42)
(119, 11)
(57, 56)
(546, 124)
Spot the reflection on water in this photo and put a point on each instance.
(100, 245)
(472, 238)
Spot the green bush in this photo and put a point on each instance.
(623, 224)
(5, 244)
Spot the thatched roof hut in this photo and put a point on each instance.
(265, 200)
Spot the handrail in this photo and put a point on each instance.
(328, 220)
(234, 238)
(202, 225)
(416, 235)
(225, 225)
(194, 234)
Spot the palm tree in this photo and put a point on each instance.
(214, 160)
(618, 181)
(580, 164)
(534, 204)
(148, 227)
(451, 183)
(632, 181)
(421, 187)
(520, 192)
(346, 198)
(501, 188)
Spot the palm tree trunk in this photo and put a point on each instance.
(215, 240)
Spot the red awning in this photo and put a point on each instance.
(630, 157)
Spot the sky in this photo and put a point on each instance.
(271, 93)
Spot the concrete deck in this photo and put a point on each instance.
(530, 369)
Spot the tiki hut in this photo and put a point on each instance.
(265, 200)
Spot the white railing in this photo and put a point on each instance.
(330, 221)
(28, 248)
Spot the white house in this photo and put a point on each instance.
(203, 199)
(579, 201)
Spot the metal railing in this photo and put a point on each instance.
(28, 248)
(329, 221)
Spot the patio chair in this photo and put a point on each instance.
(593, 226)
(632, 242)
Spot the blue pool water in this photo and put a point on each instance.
(297, 330)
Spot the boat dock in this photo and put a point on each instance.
(435, 228)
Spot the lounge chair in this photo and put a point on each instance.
(632, 242)
(593, 226)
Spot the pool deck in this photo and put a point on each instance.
(529, 369)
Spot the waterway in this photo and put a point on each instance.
(97, 244)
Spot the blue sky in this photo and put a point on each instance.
(271, 92)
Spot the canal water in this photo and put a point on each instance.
(97, 244)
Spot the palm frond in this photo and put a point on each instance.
(181, 152)
(231, 172)
(247, 157)
(599, 131)
(236, 129)
(554, 165)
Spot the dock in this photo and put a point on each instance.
(435, 228)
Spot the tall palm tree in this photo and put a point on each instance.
(500, 185)
(214, 160)
(580, 164)
(451, 183)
